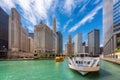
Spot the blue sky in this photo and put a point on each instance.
(73, 16)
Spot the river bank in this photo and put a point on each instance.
(117, 61)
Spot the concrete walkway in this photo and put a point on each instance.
(117, 61)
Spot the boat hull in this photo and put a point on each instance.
(84, 70)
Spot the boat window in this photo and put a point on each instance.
(82, 55)
(77, 62)
(88, 62)
(86, 55)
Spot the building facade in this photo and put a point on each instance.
(30, 44)
(69, 48)
(78, 43)
(116, 23)
(112, 20)
(18, 37)
(59, 42)
(43, 39)
(84, 47)
(94, 42)
(108, 39)
(3, 33)
(3, 30)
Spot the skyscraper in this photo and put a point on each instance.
(116, 24)
(108, 38)
(69, 48)
(78, 43)
(85, 47)
(55, 37)
(94, 42)
(54, 25)
(43, 39)
(3, 29)
(59, 42)
(18, 37)
(3, 33)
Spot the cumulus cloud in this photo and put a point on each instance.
(87, 18)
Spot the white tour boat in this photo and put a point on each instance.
(83, 63)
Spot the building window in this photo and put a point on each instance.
(118, 40)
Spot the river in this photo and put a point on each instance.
(51, 70)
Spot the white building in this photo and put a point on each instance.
(78, 43)
(108, 26)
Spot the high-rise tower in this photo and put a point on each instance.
(108, 27)
(54, 25)
(69, 47)
(94, 42)
(69, 39)
(78, 43)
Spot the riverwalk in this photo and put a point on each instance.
(117, 61)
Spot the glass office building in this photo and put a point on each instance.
(3, 30)
(59, 42)
(111, 27)
(116, 24)
(94, 42)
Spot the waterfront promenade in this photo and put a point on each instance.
(117, 61)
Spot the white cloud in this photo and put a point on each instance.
(67, 24)
(69, 5)
(85, 3)
(57, 24)
(96, 1)
(30, 28)
(7, 4)
(87, 18)
(33, 10)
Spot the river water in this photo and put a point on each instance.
(51, 70)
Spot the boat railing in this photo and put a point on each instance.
(71, 60)
(96, 62)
